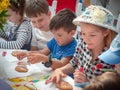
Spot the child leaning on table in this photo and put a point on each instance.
(18, 29)
(97, 32)
(61, 47)
(106, 81)
(40, 15)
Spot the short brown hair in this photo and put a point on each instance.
(18, 6)
(63, 19)
(35, 7)
(107, 81)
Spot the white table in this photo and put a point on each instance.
(7, 71)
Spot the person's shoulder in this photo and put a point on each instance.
(74, 41)
(26, 19)
(53, 40)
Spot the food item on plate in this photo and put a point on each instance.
(21, 68)
(14, 53)
(63, 85)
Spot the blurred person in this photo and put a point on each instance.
(40, 15)
(18, 30)
(112, 55)
(106, 81)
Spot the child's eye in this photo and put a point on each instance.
(33, 22)
(59, 35)
(92, 35)
(82, 33)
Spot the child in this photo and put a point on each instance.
(106, 81)
(18, 30)
(97, 31)
(112, 56)
(61, 47)
(39, 14)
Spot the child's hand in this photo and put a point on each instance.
(56, 76)
(79, 77)
(19, 54)
(35, 57)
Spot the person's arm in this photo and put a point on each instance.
(67, 69)
(60, 63)
(59, 73)
(34, 48)
(38, 56)
(3, 35)
(21, 37)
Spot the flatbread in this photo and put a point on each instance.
(14, 53)
(21, 68)
(63, 85)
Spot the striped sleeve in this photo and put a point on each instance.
(23, 36)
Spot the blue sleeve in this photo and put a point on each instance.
(50, 44)
(71, 49)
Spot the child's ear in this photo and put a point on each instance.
(49, 14)
(106, 32)
(72, 32)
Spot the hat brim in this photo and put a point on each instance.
(110, 57)
(77, 21)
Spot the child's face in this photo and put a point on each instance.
(13, 16)
(92, 35)
(41, 21)
(62, 37)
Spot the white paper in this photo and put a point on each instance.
(9, 57)
(12, 73)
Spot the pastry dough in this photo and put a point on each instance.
(14, 53)
(21, 68)
(63, 85)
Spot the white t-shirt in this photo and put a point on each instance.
(40, 38)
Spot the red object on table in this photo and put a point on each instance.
(4, 53)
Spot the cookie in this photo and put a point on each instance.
(21, 68)
(14, 53)
(63, 85)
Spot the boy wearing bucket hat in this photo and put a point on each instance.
(97, 32)
(112, 55)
